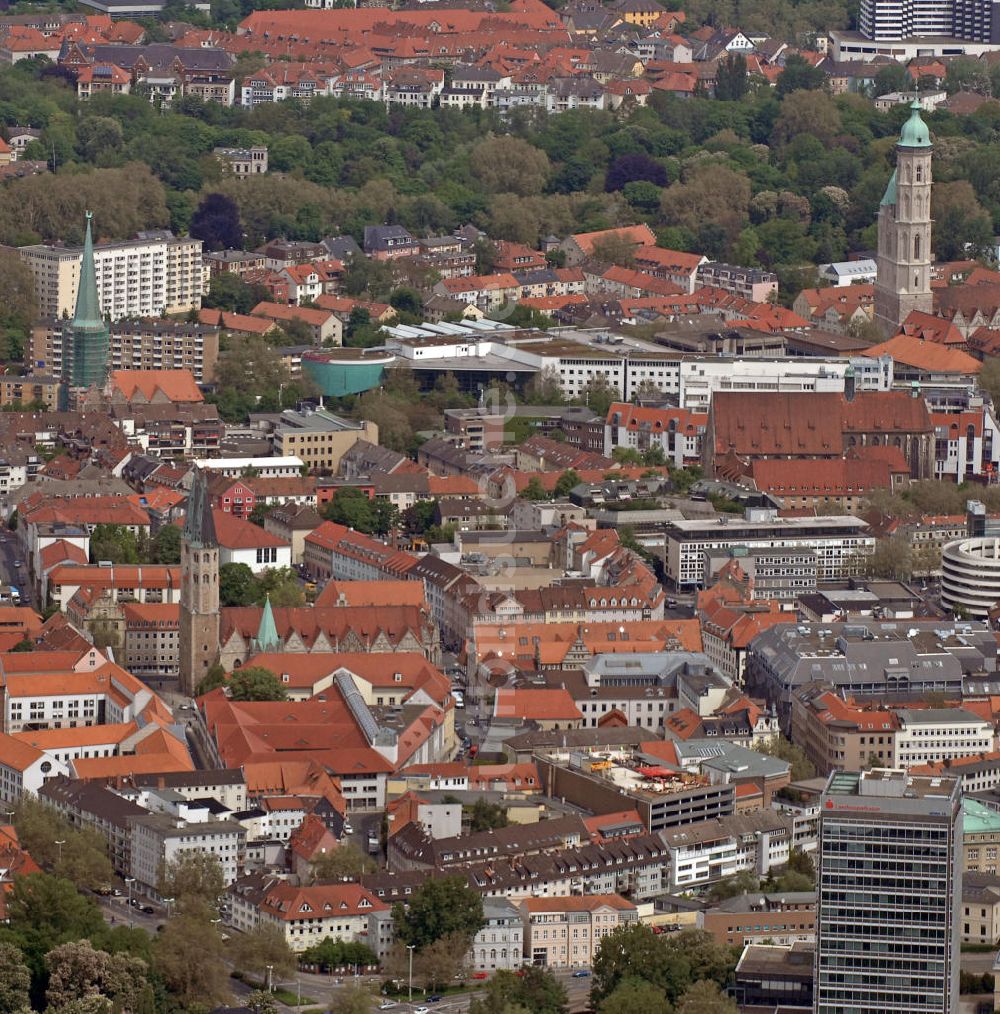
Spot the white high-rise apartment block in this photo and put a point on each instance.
(155, 273)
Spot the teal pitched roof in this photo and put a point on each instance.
(267, 633)
(889, 197)
(915, 133)
(88, 303)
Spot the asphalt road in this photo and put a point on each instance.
(10, 552)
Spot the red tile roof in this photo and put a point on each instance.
(641, 235)
(175, 385)
(930, 356)
(541, 705)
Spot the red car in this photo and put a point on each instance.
(480, 975)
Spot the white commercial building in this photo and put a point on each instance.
(842, 542)
(927, 735)
(263, 468)
(707, 852)
(156, 273)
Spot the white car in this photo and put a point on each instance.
(421, 1010)
(348, 829)
(387, 1005)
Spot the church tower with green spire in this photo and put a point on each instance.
(903, 278)
(198, 637)
(88, 336)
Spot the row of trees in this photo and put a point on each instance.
(779, 177)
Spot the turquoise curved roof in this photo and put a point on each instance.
(915, 133)
(889, 197)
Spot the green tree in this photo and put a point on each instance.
(281, 585)
(49, 911)
(799, 74)
(744, 882)
(15, 980)
(782, 749)
(339, 953)
(188, 955)
(635, 952)
(215, 677)
(486, 816)
(345, 862)
(77, 971)
(962, 228)
(355, 999)
(255, 683)
(439, 906)
(263, 946)
(195, 881)
(891, 78)
(237, 585)
(233, 294)
(599, 395)
(570, 479)
(355, 509)
(634, 996)
(705, 998)
(166, 547)
(731, 82)
(114, 543)
(535, 490)
(83, 859)
(534, 990)
(509, 165)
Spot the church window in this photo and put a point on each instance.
(920, 174)
(916, 246)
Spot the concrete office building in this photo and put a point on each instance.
(889, 894)
(842, 542)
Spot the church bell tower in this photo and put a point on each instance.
(903, 279)
(199, 619)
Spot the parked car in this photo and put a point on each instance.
(480, 975)
(387, 1005)
(148, 910)
(581, 974)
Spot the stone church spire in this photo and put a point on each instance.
(903, 281)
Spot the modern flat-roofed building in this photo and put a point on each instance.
(842, 542)
(889, 894)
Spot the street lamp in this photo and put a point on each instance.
(168, 902)
(60, 842)
(129, 881)
(410, 947)
(270, 971)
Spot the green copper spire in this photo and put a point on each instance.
(915, 133)
(267, 633)
(889, 197)
(88, 333)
